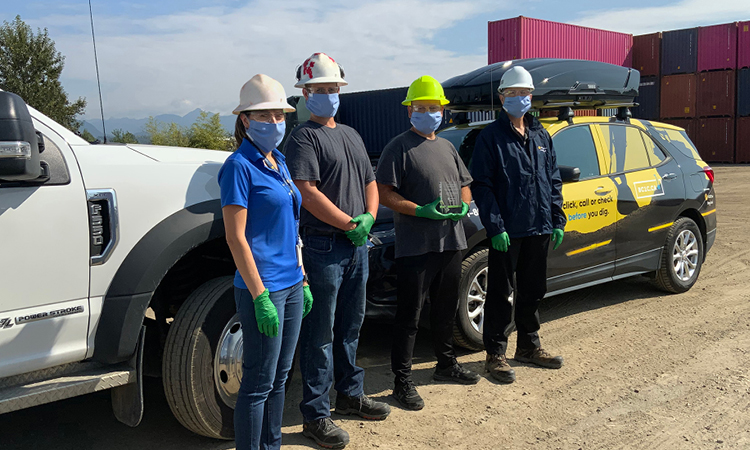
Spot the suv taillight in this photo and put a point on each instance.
(709, 173)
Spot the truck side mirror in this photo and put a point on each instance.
(569, 174)
(19, 145)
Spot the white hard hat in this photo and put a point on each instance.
(262, 92)
(320, 68)
(516, 77)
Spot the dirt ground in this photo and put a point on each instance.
(642, 370)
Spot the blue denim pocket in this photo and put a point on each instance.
(318, 244)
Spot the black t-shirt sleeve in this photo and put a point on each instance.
(302, 157)
(389, 166)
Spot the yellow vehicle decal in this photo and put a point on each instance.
(590, 247)
(660, 227)
(707, 213)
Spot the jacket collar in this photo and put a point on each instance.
(531, 122)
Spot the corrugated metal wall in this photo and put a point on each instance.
(378, 116)
(743, 92)
(678, 96)
(647, 54)
(715, 139)
(743, 44)
(679, 52)
(716, 93)
(742, 146)
(648, 99)
(717, 47)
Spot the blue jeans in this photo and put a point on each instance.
(265, 365)
(337, 273)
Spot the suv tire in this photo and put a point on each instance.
(189, 358)
(681, 258)
(467, 331)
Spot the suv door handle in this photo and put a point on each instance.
(669, 176)
(600, 191)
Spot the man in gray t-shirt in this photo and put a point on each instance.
(422, 179)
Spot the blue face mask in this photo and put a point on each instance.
(426, 123)
(323, 105)
(267, 136)
(517, 106)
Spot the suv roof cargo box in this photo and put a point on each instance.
(575, 83)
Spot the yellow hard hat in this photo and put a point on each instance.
(425, 88)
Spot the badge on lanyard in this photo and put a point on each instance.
(299, 252)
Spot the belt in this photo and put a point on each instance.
(322, 233)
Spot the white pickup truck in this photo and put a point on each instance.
(113, 265)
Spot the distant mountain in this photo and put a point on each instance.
(136, 126)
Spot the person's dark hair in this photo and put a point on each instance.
(240, 132)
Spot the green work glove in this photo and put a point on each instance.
(430, 211)
(358, 235)
(557, 237)
(501, 242)
(464, 210)
(266, 315)
(308, 300)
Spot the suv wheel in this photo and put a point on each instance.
(682, 257)
(202, 363)
(467, 332)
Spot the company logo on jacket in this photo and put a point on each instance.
(541, 149)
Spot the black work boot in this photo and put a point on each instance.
(456, 374)
(406, 394)
(539, 357)
(498, 367)
(363, 406)
(325, 433)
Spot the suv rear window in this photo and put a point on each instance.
(677, 139)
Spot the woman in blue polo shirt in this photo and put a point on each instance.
(261, 215)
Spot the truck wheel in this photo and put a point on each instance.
(202, 364)
(467, 332)
(681, 258)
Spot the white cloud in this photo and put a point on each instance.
(681, 14)
(178, 62)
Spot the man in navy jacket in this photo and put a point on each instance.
(518, 190)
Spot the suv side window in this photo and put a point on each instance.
(626, 148)
(655, 154)
(574, 147)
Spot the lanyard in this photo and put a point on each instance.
(286, 179)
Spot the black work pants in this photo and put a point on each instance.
(527, 259)
(436, 273)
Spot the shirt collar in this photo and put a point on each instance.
(252, 153)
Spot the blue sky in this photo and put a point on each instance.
(174, 56)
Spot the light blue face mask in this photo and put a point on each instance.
(323, 105)
(267, 136)
(517, 106)
(426, 122)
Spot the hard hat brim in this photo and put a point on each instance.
(443, 101)
(284, 106)
(339, 81)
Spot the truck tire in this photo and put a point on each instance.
(189, 362)
(467, 331)
(681, 258)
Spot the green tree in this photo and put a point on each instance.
(88, 136)
(31, 67)
(161, 133)
(207, 132)
(125, 137)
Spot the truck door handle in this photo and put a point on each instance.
(669, 176)
(600, 191)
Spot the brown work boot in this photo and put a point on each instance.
(498, 367)
(539, 357)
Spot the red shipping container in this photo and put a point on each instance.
(715, 139)
(690, 126)
(678, 96)
(524, 37)
(716, 93)
(717, 47)
(743, 140)
(743, 45)
(647, 54)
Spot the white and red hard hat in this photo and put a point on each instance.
(320, 68)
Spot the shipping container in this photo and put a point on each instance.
(648, 99)
(716, 94)
(678, 96)
(743, 92)
(679, 51)
(690, 126)
(524, 37)
(647, 54)
(743, 45)
(715, 139)
(378, 116)
(742, 147)
(717, 47)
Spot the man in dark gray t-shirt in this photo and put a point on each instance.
(422, 179)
